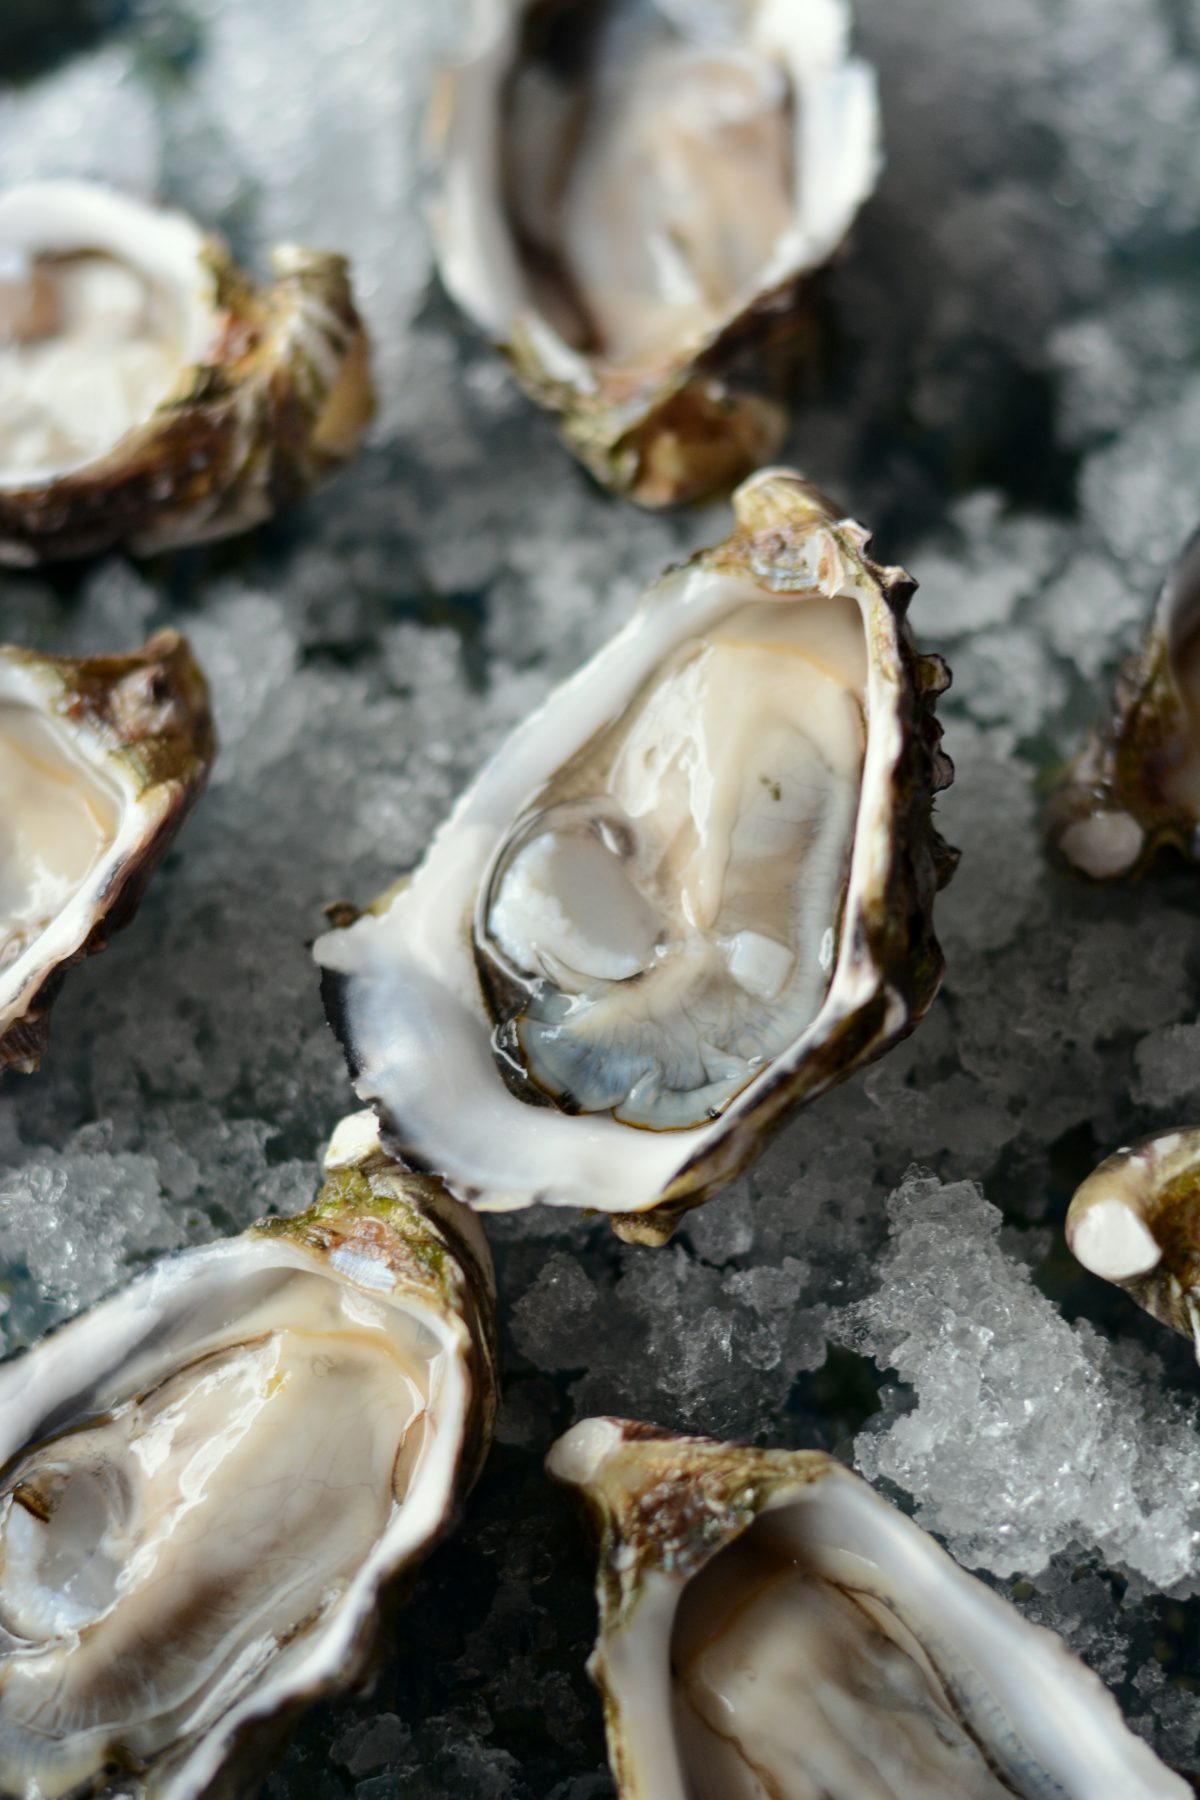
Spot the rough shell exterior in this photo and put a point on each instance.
(151, 711)
(788, 539)
(662, 1506)
(1136, 1222)
(1114, 811)
(368, 1213)
(285, 395)
(716, 409)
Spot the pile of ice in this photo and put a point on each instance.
(1021, 1435)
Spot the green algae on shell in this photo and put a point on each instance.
(214, 1485)
(770, 1625)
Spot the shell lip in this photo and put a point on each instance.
(1131, 795)
(373, 1001)
(664, 1506)
(272, 388)
(140, 727)
(651, 432)
(123, 1332)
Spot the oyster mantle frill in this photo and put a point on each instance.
(633, 199)
(150, 394)
(209, 1480)
(101, 760)
(770, 1626)
(691, 891)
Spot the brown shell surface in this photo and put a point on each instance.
(285, 396)
(668, 1504)
(1144, 735)
(1159, 1177)
(151, 710)
(441, 1261)
(784, 528)
(696, 428)
(702, 419)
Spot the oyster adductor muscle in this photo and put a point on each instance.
(692, 890)
(770, 1626)
(101, 760)
(209, 1481)
(633, 199)
(150, 394)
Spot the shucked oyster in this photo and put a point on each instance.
(634, 197)
(693, 890)
(209, 1480)
(1135, 1221)
(101, 760)
(150, 395)
(1135, 787)
(770, 1627)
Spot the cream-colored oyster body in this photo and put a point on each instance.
(150, 394)
(210, 1479)
(691, 891)
(633, 197)
(770, 1627)
(101, 760)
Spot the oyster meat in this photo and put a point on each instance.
(209, 1480)
(1134, 789)
(1135, 1221)
(770, 1627)
(634, 197)
(150, 395)
(691, 891)
(101, 760)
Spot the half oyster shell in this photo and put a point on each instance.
(150, 394)
(770, 1626)
(634, 197)
(1134, 789)
(1135, 1221)
(210, 1479)
(101, 760)
(693, 890)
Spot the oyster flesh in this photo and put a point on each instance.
(693, 890)
(1135, 1221)
(634, 197)
(101, 760)
(770, 1626)
(150, 394)
(1134, 789)
(210, 1478)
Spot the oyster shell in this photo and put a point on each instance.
(101, 760)
(150, 395)
(770, 1626)
(634, 197)
(691, 891)
(1135, 1221)
(210, 1479)
(1134, 789)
